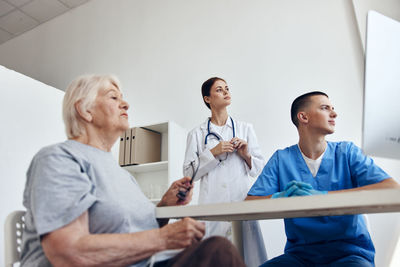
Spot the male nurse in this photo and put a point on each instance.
(313, 167)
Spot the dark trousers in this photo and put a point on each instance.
(214, 251)
(289, 260)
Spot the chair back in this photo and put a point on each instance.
(13, 229)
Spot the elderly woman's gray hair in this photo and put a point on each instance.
(83, 89)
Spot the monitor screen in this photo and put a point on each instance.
(381, 125)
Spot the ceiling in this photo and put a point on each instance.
(19, 16)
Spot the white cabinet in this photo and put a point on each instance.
(155, 178)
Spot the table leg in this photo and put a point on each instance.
(237, 236)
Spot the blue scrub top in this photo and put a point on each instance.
(323, 239)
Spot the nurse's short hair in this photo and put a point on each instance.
(206, 87)
(300, 103)
(83, 89)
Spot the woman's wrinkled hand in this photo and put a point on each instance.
(182, 234)
(170, 198)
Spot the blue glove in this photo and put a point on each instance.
(297, 188)
(308, 192)
(299, 184)
(286, 193)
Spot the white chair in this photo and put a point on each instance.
(13, 229)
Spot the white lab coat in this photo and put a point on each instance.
(227, 180)
(223, 180)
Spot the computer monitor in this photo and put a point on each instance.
(381, 124)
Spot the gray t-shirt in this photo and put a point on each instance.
(65, 180)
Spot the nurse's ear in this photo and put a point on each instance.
(84, 114)
(302, 117)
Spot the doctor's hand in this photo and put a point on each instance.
(182, 234)
(222, 147)
(170, 198)
(241, 147)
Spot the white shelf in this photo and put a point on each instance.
(161, 127)
(148, 167)
(155, 178)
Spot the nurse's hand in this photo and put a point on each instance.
(308, 192)
(288, 192)
(292, 189)
(299, 184)
(297, 188)
(170, 198)
(222, 147)
(303, 189)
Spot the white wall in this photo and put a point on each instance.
(268, 51)
(30, 115)
(390, 8)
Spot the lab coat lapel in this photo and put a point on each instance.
(211, 140)
(229, 123)
(203, 127)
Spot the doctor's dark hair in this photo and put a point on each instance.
(206, 87)
(300, 103)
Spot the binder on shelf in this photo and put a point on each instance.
(128, 137)
(122, 149)
(145, 146)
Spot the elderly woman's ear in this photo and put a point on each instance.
(84, 114)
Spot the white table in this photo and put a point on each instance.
(359, 202)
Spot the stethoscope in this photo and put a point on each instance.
(214, 134)
(182, 193)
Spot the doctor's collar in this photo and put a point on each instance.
(227, 123)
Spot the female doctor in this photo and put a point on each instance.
(222, 153)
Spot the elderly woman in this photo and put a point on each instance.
(84, 210)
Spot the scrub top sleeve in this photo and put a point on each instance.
(267, 182)
(362, 168)
(205, 158)
(60, 192)
(257, 159)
